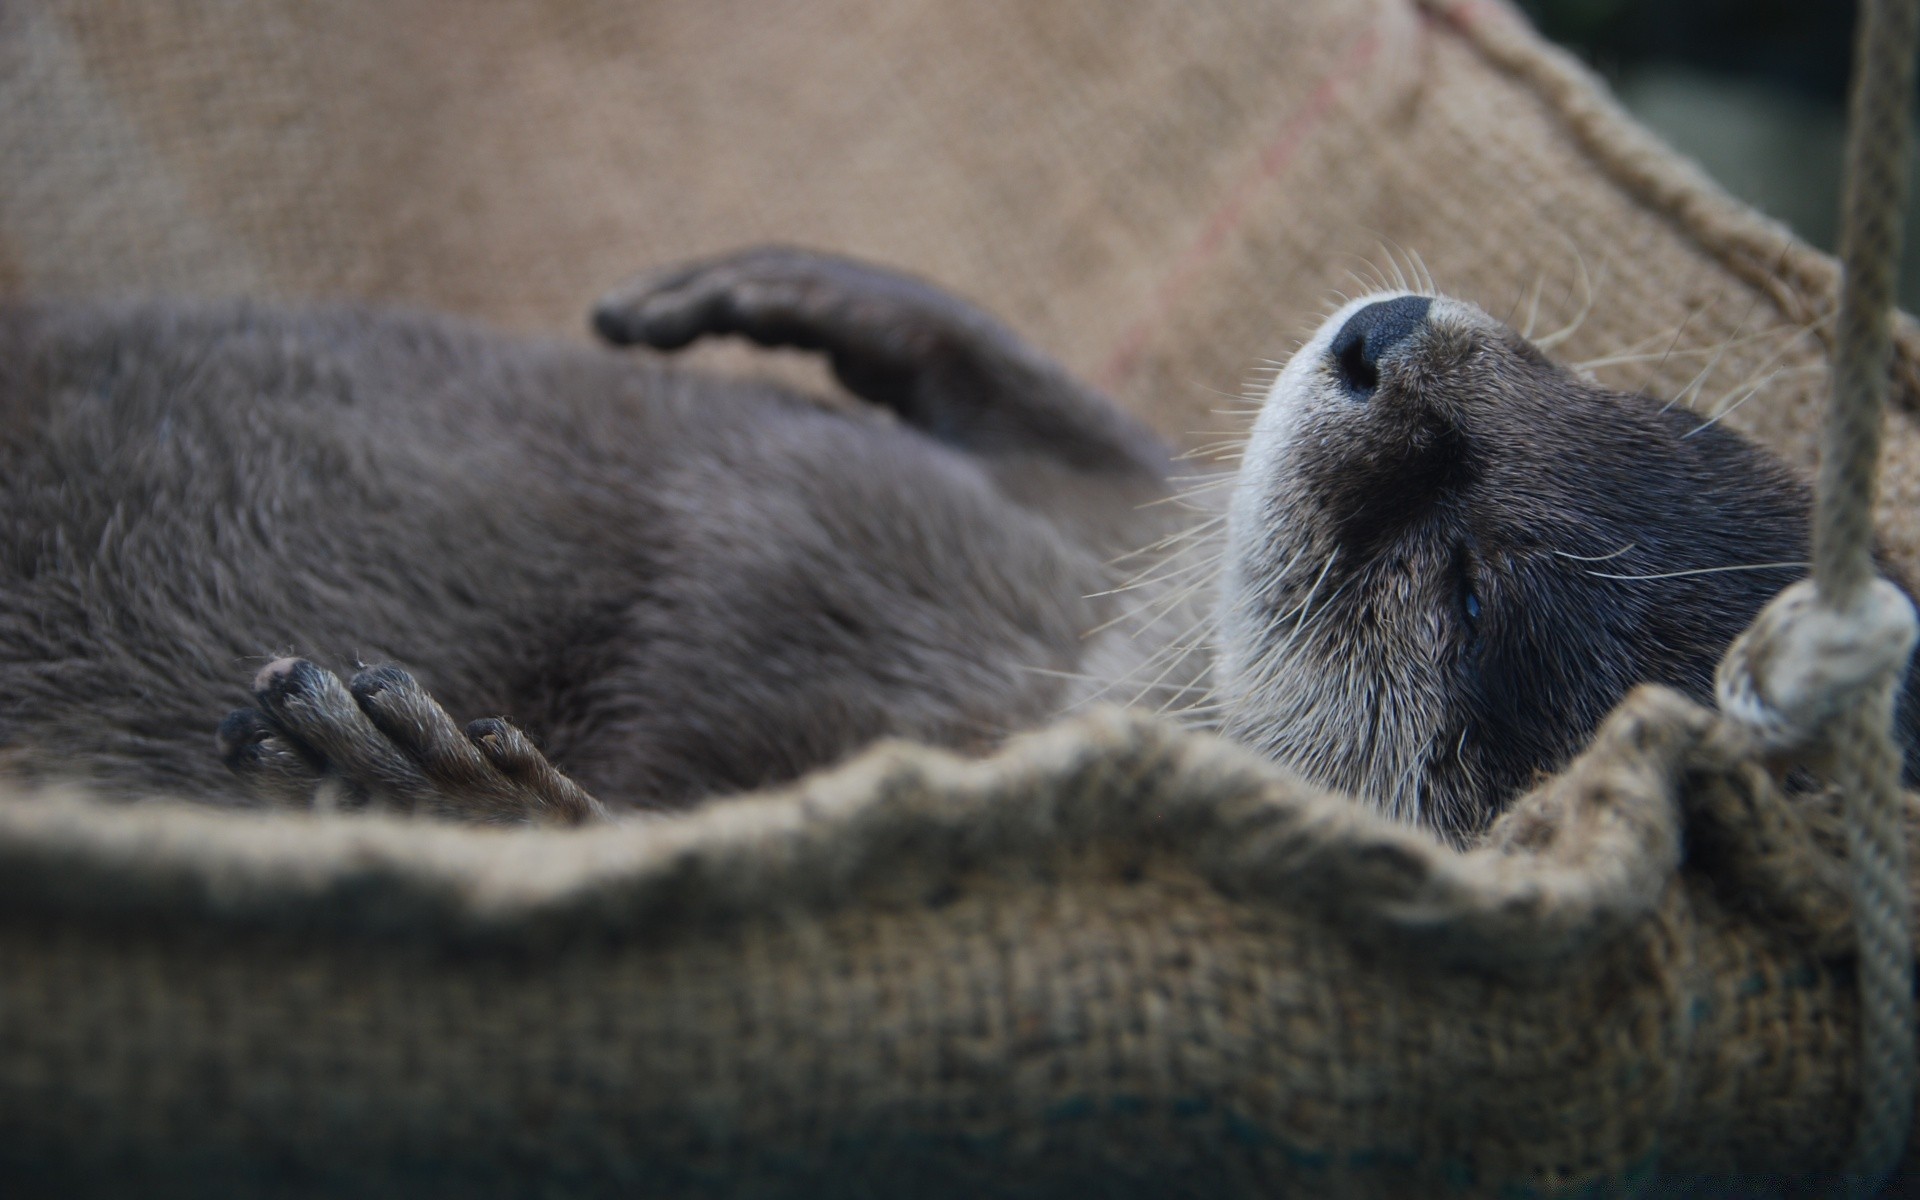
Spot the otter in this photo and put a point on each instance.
(1445, 557)
(678, 585)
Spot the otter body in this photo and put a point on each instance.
(678, 585)
(1446, 557)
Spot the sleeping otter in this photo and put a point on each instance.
(1447, 558)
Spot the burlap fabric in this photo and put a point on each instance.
(1117, 960)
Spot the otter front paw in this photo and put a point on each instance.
(382, 742)
(882, 330)
(941, 364)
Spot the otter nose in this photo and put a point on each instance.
(1368, 335)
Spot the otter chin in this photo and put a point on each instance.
(1448, 557)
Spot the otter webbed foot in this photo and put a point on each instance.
(944, 365)
(381, 741)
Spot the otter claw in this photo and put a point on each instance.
(381, 740)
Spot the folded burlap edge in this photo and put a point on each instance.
(1580, 859)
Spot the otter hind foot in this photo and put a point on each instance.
(382, 741)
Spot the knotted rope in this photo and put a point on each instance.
(1822, 664)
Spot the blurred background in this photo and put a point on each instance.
(1753, 90)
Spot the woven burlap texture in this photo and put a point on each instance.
(1118, 959)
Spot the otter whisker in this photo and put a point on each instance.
(1206, 451)
(1203, 689)
(1210, 390)
(1373, 280)
(1199, 489)
(1214, 483)
(1180, 647)
(1642, 350)
(1749, 393)
(1633, 355)
(1300, 613)
(1566, 331)
(1230, 442)
(1171, 601)
(1406, 794)
(1200, 637)
(1686, 394)
(1671, 345)
(1411, 280)
(1172, 574)
(1760, 377)
(1185, 533)
(1177, 602)
(1425, 276)
(1174, 651)
(1506, 318)
(1083, 677)
(1777, 566)
(1598, 558)
(1208, 704)
(1189, 502)
(1317, 581)
(1363, 286)
(1399, 280)
(1416, 280)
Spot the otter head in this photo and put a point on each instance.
(1448, 558)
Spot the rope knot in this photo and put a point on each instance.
(1803, 662)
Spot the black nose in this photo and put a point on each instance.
(1367, 336)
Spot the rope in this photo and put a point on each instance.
(1867, 765)
(1821, 665)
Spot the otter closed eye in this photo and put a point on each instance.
(1469, 598)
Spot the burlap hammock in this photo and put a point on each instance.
(1116, 959)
